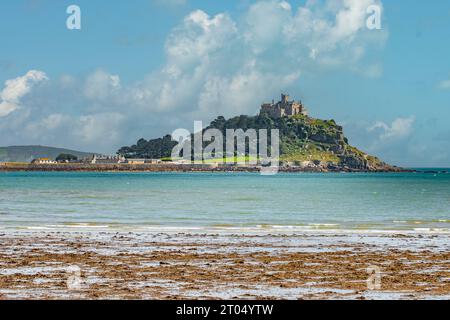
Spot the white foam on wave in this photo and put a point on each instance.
(169, 228)
(65, 226)
(329, 228)
(38, 228)
(432, 230)
(79, 225)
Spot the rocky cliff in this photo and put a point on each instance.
(305, 141)
(309, 141)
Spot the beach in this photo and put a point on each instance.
(91, 235)
(223, 265)
(224, 150)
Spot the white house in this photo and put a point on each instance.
(43, 161)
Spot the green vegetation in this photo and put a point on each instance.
(302, 139)
(153, 149)
(235, 159)
(311, 153)
(66, 157)
(28, 153)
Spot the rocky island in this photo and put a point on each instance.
(305, 144)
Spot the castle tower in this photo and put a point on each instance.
(283, 108)
(285, 98)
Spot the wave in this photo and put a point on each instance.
(416, 227)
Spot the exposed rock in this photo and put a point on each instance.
(306, 143)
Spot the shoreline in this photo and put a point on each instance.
(162, 265)
(181, 168)
(71, 228)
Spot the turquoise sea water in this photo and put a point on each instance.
(161, 201)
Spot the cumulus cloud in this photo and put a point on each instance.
(215, 62)
(99, 127)
(399, 128)
(17, 88)
(100, 85)
(214, 65)
(404, 141)
(58, 114)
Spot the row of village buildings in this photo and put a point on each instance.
(99, 159)
(102, 160)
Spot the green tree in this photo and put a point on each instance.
(64, 157)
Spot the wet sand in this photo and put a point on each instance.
(45, 265)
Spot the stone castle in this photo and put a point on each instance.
(283, 108)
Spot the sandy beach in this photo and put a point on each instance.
(314, 265)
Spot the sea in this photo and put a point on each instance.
(234, 202)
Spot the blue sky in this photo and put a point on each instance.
(143, 68)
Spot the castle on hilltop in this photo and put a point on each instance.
(283, 108)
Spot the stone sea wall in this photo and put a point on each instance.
(172, 168)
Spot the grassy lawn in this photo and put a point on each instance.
(16, 164)
(325, 157)
(310, 155)
(235, 159)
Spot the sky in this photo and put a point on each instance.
(143, 68)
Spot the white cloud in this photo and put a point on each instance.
(445, 85)
(399, 128)
(215, 65)
(67, 81)
(92, 131)
(17, 88)
(333, 33)
(198, 38)
(104, 128)
(264, 25)
(285, 5)
(213, 62)
(405, 141)
(100, 85)
(350, 19)
(47, 127)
